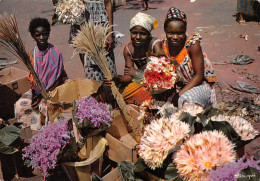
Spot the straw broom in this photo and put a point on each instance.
(10, 40)
(91, 39)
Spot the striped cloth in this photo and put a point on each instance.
(245, 6)
(48, 65)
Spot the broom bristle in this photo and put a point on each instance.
(91, 40)
(10, 40)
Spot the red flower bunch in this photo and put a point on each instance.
(159, 75)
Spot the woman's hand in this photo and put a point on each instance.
(129, 71)
(107, 81)
(110, 44)
(117, 79)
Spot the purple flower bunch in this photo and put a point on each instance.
(97, 113)
(230, 171)
(46, 145)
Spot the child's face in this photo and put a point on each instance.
(139, 36)
(175, 32)
(41, 36)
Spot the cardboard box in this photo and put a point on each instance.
(118, 127)
(13, 83)
(62, 97)
(122, 149)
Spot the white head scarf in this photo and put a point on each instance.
(144, 20)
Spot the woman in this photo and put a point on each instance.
(48, 65)
(135, 54)
(193, 69)
(97, 11)
(145, 5)
(247, 8)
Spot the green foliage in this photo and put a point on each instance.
(249, 174)
(8, 135)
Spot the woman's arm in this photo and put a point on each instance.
(109, 10)
(129, 68)
(156, 45)
(197, 61)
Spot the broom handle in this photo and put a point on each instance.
(122, 105)
(37, 80)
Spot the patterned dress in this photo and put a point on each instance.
(48, 65)
(246, 6)
(95, 12)
(201, 94)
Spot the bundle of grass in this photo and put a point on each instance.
(91, 40)
(10, 40)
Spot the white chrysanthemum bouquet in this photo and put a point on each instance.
(70, 11)
(159, 138)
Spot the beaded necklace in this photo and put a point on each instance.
(174, 59)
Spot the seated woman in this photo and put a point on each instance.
(194, 70)
(135, 54)
(48, 65)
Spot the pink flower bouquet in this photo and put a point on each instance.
(91, 117)
(46, 145)
(159, 75)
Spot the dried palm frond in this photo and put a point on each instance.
(10, 40)
(91, 40)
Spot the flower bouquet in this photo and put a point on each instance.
(159, 75)
(203, 152)
(90, 116)
(46, 148)
(244, 169)
(159, 138)
(70, 11)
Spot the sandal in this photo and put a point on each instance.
(242, 22)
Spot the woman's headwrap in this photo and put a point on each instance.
(175, 13)
(144, 20)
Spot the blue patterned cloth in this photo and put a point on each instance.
(245, 6)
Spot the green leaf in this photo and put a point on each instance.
(140, 165)
(9, 134)
(69, 153)
(208, 112)
(95, 177)
(27, 161)
(187, 118)
(229, 131)
(248, 174)
(172, 174)
(178, 145)
(6, 149)
(127, 170)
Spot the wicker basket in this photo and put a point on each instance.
(93, 152)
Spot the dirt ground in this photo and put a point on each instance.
(222, 39)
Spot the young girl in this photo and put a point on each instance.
(193, 68)
(135, 54)
(48, 65)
